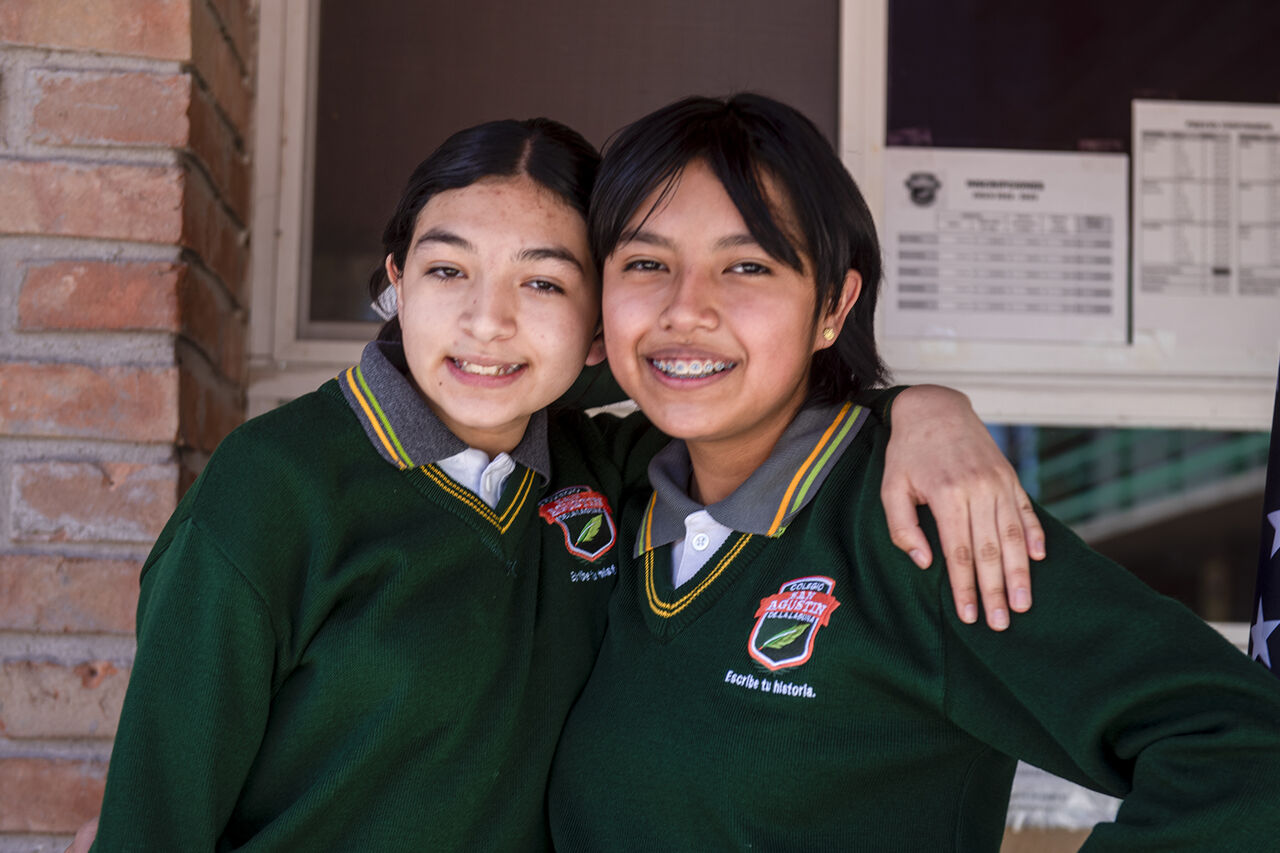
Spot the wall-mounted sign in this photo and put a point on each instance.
(1005, 245)
(1206, 223)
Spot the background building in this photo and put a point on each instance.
(192, 193)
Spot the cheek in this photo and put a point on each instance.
(780, 332)
(415, 326)
(565, 330)
(619, 333)
(624, 314)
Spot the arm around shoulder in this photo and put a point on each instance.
(941, 454)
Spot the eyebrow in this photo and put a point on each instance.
(734, 241)
(439, 235)
(538, 253)
(550, 253)
(649, 238)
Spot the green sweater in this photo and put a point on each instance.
(812, 690)
(335, 653)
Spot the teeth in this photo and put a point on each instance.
(691, 368)
(486, 369)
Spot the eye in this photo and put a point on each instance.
(443, 271)
(542, 285)
(750, 268)
(643, 265)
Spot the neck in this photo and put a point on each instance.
(720, 467)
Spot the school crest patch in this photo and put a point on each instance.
(788, 621)
(584, 517)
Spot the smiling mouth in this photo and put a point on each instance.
(486, 369)
(695, 368)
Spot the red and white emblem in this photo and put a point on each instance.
(788, 621)
(585, 518)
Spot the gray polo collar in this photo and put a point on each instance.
(401, 426)
(803, 457)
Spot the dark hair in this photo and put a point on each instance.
(555, 156)
(745, 139)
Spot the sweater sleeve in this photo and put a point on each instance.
(1117, 688)
(880, 401)
(197, 700)
(593, 388)
(629, 443)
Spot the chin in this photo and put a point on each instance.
(684, 427)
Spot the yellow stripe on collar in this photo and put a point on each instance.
(355, 381)
(646, 540)
(668, 609)
(794, 496)
(502, 522)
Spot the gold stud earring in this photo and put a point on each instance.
(828, 334)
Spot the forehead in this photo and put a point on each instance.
(515, 207)
(697, 196)
(693, 190)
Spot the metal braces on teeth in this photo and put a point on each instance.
(691, 369)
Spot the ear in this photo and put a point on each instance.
(395, 277)
(835, 317)
(596, 354)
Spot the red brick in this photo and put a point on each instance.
(100, 295)
(49, 795)
(237, 17)
(214, 326)
(49, 700)
(92, 502)
(210, 409)
(136, 108)
(232, 357)
(75, 400)
(218, 65)
(203, 317)
(104, 108)
(160, 29)
(143, 203)
(110, 201)
(50, 593)
(219, 148)
(210, 231)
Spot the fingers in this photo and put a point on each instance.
(989, 561)
(984, 544)
(1022, 539)
(955, 536)
(904, 523)
(1004, 535)
(941, 454)
(1032, 532)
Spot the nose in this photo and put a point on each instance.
(691, 303)
(491, 313)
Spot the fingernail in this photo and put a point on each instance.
(1021, 599)
(1000, 619)
(970, 614)
(1037, 549)
(917, 557)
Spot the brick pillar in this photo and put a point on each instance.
(124, 204)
